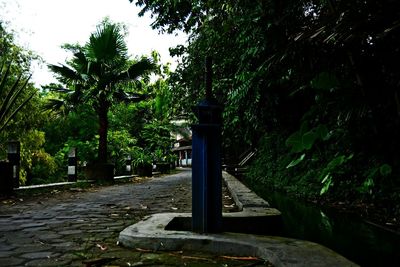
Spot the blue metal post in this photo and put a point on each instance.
(206, 163)
(206, 179)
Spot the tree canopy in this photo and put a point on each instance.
(95, 72)
(314, 85)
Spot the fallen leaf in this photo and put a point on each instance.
(143, 250)
(240, 258)
(75, 190)
(179, 252)
(195, 258)
(102, 247)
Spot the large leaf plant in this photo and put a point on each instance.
(11, 94)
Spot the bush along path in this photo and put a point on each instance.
(80, 227)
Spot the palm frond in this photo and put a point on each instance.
(70, 98)
(80, 62)
(107, 44)
(15, 111)
(126, 97)
(57, 89)
(8, 105)
(5, 76)
(136, 70)
(65, 73)
(7, 102)
(54, 104)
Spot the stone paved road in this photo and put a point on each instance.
(81, 227)
(65, 231)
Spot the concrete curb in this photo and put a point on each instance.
(151, 233)
(248, 203)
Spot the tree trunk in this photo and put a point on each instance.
(103, 129)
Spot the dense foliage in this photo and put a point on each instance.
(99, 78)
(100, 74)
(313, 84)
(20, 109)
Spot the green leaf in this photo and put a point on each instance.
(324, 81)
(326, 186)
(296, 161)
(326, 222)
(371, 173)
(336, 162)
(304, 127)
(295, 141)
(322, 132)
(385, 169)
(308, 139)
(326, 178)
(367, 185)
(299, 141)
(369, 182)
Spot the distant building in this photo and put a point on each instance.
(183, 145)
(183, 150)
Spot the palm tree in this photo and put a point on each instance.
(96, 72)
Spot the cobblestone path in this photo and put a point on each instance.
(67, 230)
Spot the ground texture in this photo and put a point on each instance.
(80, 227)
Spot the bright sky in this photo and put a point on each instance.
(44, 25)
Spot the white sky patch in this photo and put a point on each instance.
(44, 25)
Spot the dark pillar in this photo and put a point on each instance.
(72, 165)
(14, 157)
(6, 181)
(206, 166)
